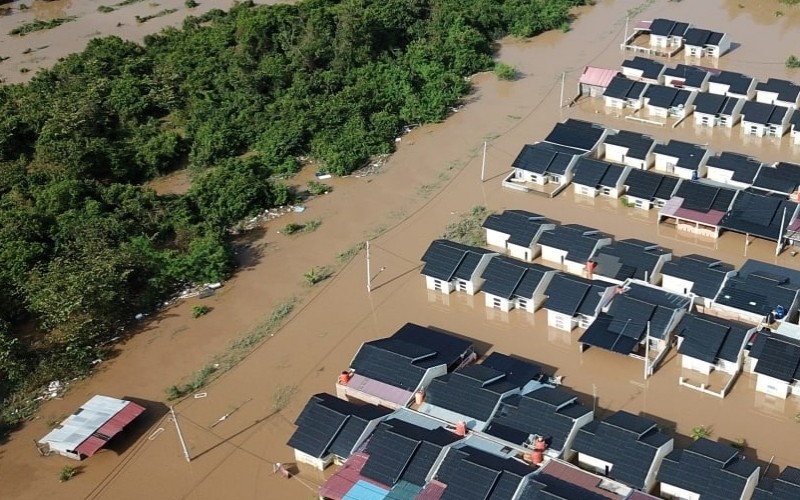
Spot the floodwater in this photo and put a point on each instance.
(432, 178)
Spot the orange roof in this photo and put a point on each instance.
(599, 77)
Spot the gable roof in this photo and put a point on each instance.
(629, 258)
(507, 278)
(328, 424)
(713, 470)
(744, 167)
(473, 474)
(627, 441)
(650, 185)
(737, 83)
(692, 76)
(544, 157)
(622, 87)
(715, 104)
(700, 38)
(661, 96)
(699, 202)
(763, 114)
(579, 241)
(598, 77)
(711, 338)
(547, 412)
(569, 294)
(758, 214)
(594, 173)
(650, 69)
(447, 260)
(687, 155)
(760, 287)
(577, 134)
(785, 487)
(706, 273)
(778, 356)
(521, 226)
(559, 480)
(787, 90)
(782, 177)
(639, 145)
(668, 27)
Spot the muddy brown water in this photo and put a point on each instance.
(432, 178)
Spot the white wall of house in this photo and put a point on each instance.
(670, 491)
(722, 89)
(595, 464)
(663, 451)
(633, 74)
(522, 253)
(561, 321)
(761, 130)
(553, 254)
(737, 314)
(705, 119)
(566, 453)
(430, 374)
(772, 98)
(718, 88)
(317, 463)
(657, 111)
(687, 173)
(663, 162)
(614, 103)
(729, 367)
(476, 282)
(750, 485)
(526, 304)
(584, 190)
(439, 285)
(496, 238)
(499, 303)
(638, 202)
(772, 386)
(530, 176)
(795, 135)
(659, 41)
(695, 364)
(694, 50)
(724, 176)
(619, 154)
(577, 268)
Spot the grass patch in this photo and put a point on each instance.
(160, 13)
(308, 227)
(283, 396)
(37, 25)
(345, 255)
(105, 9)
(318, 188)
(200, 310)
(67, 472)
(467, 229)
(317, 274)
(793, 62)
(504, 71)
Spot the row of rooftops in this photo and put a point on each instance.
(415, 452)
(686, 32)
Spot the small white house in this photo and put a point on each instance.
(664, 102)
(514, 284)
(687, 77)
(683, 159)
(624, 92)
(571, 246)
(762, 120)
(775, 359)
(646, 190)
(517, 232)
(713, 110)
(696, 276)
(667, 34)
(705, 43)
(643, 69)
(733, 169)
(598, 178)
(778, 92)
(573, 301)
(451, 266)
(631, 149)
(709, 343)
(732, 84)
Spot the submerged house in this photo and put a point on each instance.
(451, 266)
(687, 77)
(668, 34)
(778, 92)
(514, 284)
(760, 293)
(707, 343)
(629, 259)
(624, 447)
(731, 84)
(761, 215)
(696, 276)
(517, 232)
(646, 189)
(594, 81)
(683, 159)
(643, 69)
(785, 487)
(780, 178)
(708, 470)
(760, 119)
(572, 245)
(714, 110)
(331, 429)
(573, 301)
(389, 371)
(595, 177)
(775, 359)
(623, 92)
(705, 43)
(698, 208)
(735, 169)
(630, 148)
(664, 102)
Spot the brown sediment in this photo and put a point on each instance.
(234, 459)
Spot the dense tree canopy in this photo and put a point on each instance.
(237, 98)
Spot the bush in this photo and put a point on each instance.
(190, 4)
(317, 274)
(700, 432)
(793, 62)
(105, 9)
(292, 228)
(200, 310)
(505, 71)
(67, 473)
(317, 188)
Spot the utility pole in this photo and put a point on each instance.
(180, 434)
(561, 102)
(780, 234)
(647, 351)
(369, 277)
(483, 164)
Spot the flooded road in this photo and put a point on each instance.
(434, 176)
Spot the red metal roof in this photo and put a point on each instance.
(109, 429)
(432, 491)
(599, 77)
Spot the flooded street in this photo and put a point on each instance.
(429, 182)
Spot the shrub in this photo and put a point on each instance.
(317, 188)
(505, 71)
(565, 27)
(793, 61)
(67, 473)
(317, 274)
(190, 4)
(105, 9)
(200, 310)
(292, 228)
(699, 432)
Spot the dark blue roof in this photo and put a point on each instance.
(472, 474)
(579, 241)
(628, 259)
(688, 155)
(744, 167)
(786, 90)
(706, 273)
(715, 104)
(703, 198)
(507, 278)
(521, 226)
(576, 134)
(700, 38)
(781, 178)
(715, 471)
(778, 356)
(650, 69)
(710, 338)
(446, 260)
(571, 295)
(543, 157)
(661, 96)
(668, 27)
(639, 145)
(760, 287)
(622, 87)
(785, 487)
(650, 185)
(692, 76)
(517, 371)
(737, 83)
(763, 114)
(629, 442)
(594, 173)
(758, 214)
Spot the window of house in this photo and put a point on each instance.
(605, 191)
(462, 286)
(497, 303)
(523, 303)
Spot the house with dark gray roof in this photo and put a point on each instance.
(643, 69)
(784, 487)
(668, 34)
(735, 169)
(389, 371)
(550, 413)
(645, 189)
(682, 159)
(708, 470)
(595, 177)
(760, 293)
(515, 284)
(696, 276)
(778, 92)
(714, 110)
(664, 102)
(732, 84)
(705, 43)
(517, 232)
(572, 245)
(761, 119)
(687, 77)
(630, 148)
(573, 301)
(629, 259)
(331, 429)
(707, 343)
(781, 178)
(560, 480)
(624, 92)
(755, 213)
(625, 447)
(775, 359)
(578, 134)
(472, 395)
(450, 266)
(697, 208)
(639, 322)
